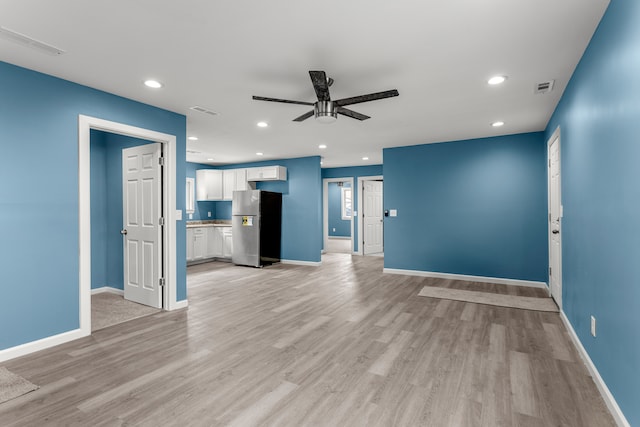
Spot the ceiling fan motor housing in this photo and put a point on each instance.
(325, 111)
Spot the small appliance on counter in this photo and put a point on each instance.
(256, 223)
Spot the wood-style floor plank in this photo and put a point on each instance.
(338, 345)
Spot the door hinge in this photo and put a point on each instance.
(161, 282)
(161, 221)
(549, 162)
(549, 271)
(161, 161)
(549, 216)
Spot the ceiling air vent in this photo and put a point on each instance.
(193, 152)
(544, 87)
(27, 41)
(203, 110)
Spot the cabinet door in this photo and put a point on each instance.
(227, 244)
(241, 180)
(209, 184)
(211, 240)
(199, 243)
(189, 244)
(229, 183)
(218, 242)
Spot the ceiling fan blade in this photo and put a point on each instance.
(286, 101)
(352, 114)
(367, 98)
(305, 116)
(320, 84)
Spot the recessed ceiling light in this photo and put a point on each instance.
(496, 80)
(192, 138)
(365, 158)
(153, 84)
(497, 124)
(322, 146)
(259, 154)
(210, 159)
(262, 124)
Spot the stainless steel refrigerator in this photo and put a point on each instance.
(256, 224)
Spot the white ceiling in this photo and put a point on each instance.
(216, 54)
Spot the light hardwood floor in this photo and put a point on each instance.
(336, 345)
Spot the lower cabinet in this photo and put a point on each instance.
(199, 243)
(209, 242)
(227, 242)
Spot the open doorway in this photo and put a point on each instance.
(371, 218)
(168, 233)
(338, 215)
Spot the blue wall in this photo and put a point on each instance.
(202, 209)
(600, 154)
(476, 207)
(338, 227)
(107, 267)
(39, 205)
(353, 172)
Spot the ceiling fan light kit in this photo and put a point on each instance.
(325, 110)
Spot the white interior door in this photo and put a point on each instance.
(555, 220)
(373, 220)
(141, 185)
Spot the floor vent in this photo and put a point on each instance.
(544, 87)
(203, 110)
(27, 41)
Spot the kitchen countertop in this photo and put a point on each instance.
(210, 223)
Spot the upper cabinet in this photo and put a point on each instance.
(234, 180)
(209, 184)
(217, 184)
(267, 173)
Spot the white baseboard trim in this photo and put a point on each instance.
(179, 305)
(610, 401)
(107, 289)
(497, 280)
(41, 344)
(296, 262)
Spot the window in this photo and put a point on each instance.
(191, 184)
(346, 203)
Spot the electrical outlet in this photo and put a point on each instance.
(593, 326)
(209, 214)
(334, 229)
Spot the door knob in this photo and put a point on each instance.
(123, 232)
(554, 231)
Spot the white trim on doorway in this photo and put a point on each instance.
(361, 180)
(554, 193)
(85, 124)
(325, 210)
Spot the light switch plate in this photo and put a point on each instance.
(393, 212)
(179, 215)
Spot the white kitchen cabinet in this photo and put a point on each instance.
(189, 244)
(234, 180)
(267, 173)
(227, 242)
(214, 242)
(199, 243)
(209, 184)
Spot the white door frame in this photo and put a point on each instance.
(325, 209)
(85, 124)
(361, 180)
(558, 274)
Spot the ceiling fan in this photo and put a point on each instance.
(325, 110)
